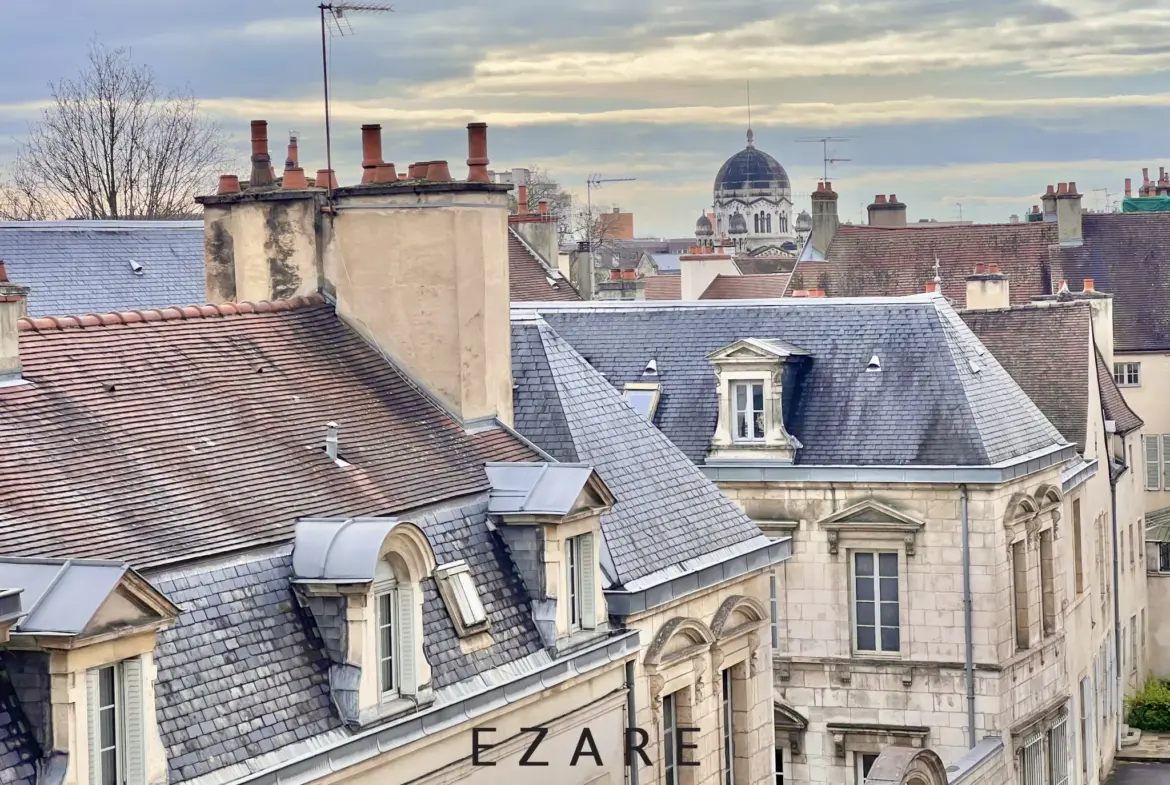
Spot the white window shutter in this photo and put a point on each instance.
(588, 583)
(1165, 461)
(1153, 473)
(135, 753)
(406, 634)
(94, 736)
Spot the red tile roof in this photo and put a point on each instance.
(746, 287)
(663, 287)
(168, 434)
(528, 278)
(874, 261)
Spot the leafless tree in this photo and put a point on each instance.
(541, 186)
(112, 146)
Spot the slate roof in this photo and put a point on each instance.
(1047, 352)
(18, 751)
(158, 441)
(663, 287)
(528, 276)
(926, 406)
(1127, 255)
(75, 267)
(1112, 401)
(666, 511)
(873, 261)
(745, 287)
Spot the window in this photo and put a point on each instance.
(1086, 728)
(1157, 449)
(864, 762)
(671, 741)
(643, 397)
(1047, 584)
(1020, 593)
(579, 582)
(779, 766)
(875, 603)
(1143, 629)
(115, 714)
(1127, 374)
(1077, 553)
(728, 731)
(1121, 546)
(457, 588)
(1032, 761)
(1133, 643)
(1057, 738)
(1164, 557)
(387, 616)
(1133, 543)
(748, 403)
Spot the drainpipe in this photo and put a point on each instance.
(967, 632)
(631, 719)
(775, 613)
(1116, 598)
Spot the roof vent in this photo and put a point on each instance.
(651, 368)
(975, 367)
(874, 364)
(331, 445)
(550, 282)
(136, 268)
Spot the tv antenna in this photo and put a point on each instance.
(828, 156)
(1108, 202)
(596, 181)
(335, 22)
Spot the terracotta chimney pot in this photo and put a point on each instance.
(1128, 188)
(326, 179)
(615, 275)
(980, 268)
(522, 200)
(1088, 285)
(879, 199)
(438, 172)
(294, 178)
(371, 150)
(1072, 187)
(931, 287)
(385, 173)
(417, 171)
(993, 268)
(403, 176)
(1161, 173)
(1051, 189)
(259, 137)
(629, 275)
(228, 184)
(477, 158)
(1145, 175)
(542, 206)
(893, 198)
(293, 157)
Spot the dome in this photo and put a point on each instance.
(703, 226)
(751, 169)
(803, 222)
(737, 224)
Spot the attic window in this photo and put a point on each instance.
(461, 597)
(874, 364)
(643, 396)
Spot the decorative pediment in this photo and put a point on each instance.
(787, 721)
(871, 518)
(679, 639)
(738, 614)
(873, 735)
(756, 350)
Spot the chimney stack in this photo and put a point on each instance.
(887, 212)
(371, 151)
(292, 161)
(987, 290)
(262, 174)
(1048, 200)
(477, 160)
(13, 301)
(1068, 216)
(522, 199)
(824, 217)
(326, 179)
(1128, 188)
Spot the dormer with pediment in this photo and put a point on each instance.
(751, 376)
(81, 637)
(549, 514)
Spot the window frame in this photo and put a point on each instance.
(1087, 726)
(1078, 550)
(1133, 643)
(860, 770)
(654, 388)
(1127, 374)
(117, 708)
(750, 385)
(1021, 599)
(671, 759)
(875, 578)
(727, 711)
(388, 592)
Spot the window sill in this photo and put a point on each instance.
(392, 708)
(891, 656)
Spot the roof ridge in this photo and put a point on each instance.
(169, 314)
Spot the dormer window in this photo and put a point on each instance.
(748, 399)
(580, 585)
(116, 734)
(643, 397)
(457, 587)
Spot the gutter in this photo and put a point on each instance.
(381, 739)
(968, 635)
(626, 603)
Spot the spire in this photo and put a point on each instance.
(751, 138)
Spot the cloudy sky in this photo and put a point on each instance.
(945, 102)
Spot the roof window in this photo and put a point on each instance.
(459, 593)
(643, 396)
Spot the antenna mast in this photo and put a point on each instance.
(335, 13)
(827, 156)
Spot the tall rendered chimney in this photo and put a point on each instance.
(12, 308)
(1068, 216)
(824, 217)
(1048, 200)
(889, 213)
(987, 289)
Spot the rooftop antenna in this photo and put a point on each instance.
(596, 181)
(827, 155)
(1108, 203)
(960, 206)
(750, 136)
(335, 22)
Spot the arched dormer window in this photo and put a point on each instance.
(393, 633)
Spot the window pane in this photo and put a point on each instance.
(863, 563)
(889, 589)
(889, 614)
(866, 640)
(890, 639)
(640, 400)
(758, 397)
(741, 425)
(888, 565)
(758, 420)
(668, 752)
(865, 613)
(741, 397)
(109, 767)
(386, 640)
(864, 589)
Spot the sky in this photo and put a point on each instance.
(970, 107)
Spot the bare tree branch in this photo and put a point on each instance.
(111, 146)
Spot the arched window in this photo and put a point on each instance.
(756, 220)
(769, 229)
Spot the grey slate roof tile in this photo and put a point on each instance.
(666, 510)
(18, 750)
(78, 267)
(925, 407)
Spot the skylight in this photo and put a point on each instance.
(643, 396)
(462, 598)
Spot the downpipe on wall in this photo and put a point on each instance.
(967, 626)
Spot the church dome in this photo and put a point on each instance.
(737, 224)
(804, 222)
(751, 169)
(703, 226)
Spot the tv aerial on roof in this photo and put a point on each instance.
(335, 23)
(828, 156)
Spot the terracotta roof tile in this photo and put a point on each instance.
(746, 287)
(167, 435)
(873, 261)
(528, 277)
(663, 287)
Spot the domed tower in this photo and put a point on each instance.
(704, 231)
(738, 229)
(755, 186)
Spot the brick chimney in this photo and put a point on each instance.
(1068, 215)
(261, 162)
(13, 301)
(824, 217)
(1048, 200)
(987, 289)
(887, 212)
(1128, 188)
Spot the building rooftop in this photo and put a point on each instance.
(746, 287)
(530, 279)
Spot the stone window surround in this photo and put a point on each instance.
(1027, 517)
(903, 597)
(556, 573)
(872, 738)
(899, 531)
(1041, 722)
(789, 725)
(751, 361)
